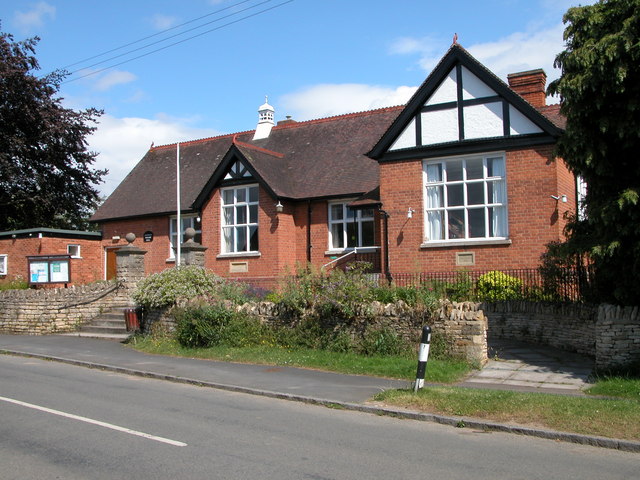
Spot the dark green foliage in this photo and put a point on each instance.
(213, 325)
(46, 174)
(565, 274)
(600, 94)
(382, 341)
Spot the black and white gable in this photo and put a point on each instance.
(462, 107)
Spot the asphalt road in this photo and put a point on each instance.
(64, 422)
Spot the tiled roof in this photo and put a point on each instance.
(299, 160)
(552, 112)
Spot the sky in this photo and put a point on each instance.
(312, 58)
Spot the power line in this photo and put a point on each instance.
(168, 38)
(153, 35)
(176, 43)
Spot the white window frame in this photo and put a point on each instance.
(70, 247)
(231, 224)
(359, 218)
(440, 214)
(4, 259)
(193, 223)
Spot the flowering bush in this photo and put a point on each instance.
(496, 286)
(181, 284)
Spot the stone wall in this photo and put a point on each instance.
(42, 311)
(618, 337)
(568, 327)
(463, 324)
(607, 333)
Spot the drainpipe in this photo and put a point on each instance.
(309, 246)
(387, 268)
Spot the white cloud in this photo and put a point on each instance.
(113, 78)
(34, 18)
(122, 142)
(517, 52)
(162, 22)
(333, 99)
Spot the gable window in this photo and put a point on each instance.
(73, 250)
(465, 198)
(188, 221)
(349, 228)
(240, 219)
(3, 264)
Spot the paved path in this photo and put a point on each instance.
(520, 366)
(332, 387)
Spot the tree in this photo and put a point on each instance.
(46, 173)
(600, 97)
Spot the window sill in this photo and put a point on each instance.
(239, 255)
(344, 251)
(466, 243)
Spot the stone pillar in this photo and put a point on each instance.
(192, 252)
(130, 265)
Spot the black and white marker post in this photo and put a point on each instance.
(423, 356)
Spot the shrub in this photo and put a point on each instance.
(18, 283)
(213, 325)
(423, 296)
(382, 341)
(336, 294)
(497, 286)
(181, 284)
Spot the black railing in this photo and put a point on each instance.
(565, 285)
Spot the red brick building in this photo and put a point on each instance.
(461, 176)
(83, 249)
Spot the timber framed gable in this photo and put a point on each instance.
(462, 108)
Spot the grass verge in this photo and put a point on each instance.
(402, 367)
(607, 417)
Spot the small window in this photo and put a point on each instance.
(73, 250)
(350, 228)
(3, 264)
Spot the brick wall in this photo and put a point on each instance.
(158, 251)
(88, 268)
(534, 218)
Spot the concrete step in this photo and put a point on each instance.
(102, 322)
(105, 336)
(109, 325)
(109, 330)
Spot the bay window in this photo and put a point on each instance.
(465, 198)
(240, 219)
(349, 228)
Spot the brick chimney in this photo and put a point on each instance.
(530, 85)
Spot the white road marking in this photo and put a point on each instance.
(95, 422)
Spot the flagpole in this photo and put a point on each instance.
(178, 219)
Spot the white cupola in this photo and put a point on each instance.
(265, 120)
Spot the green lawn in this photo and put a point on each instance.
(608, 417)
(402, 367)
